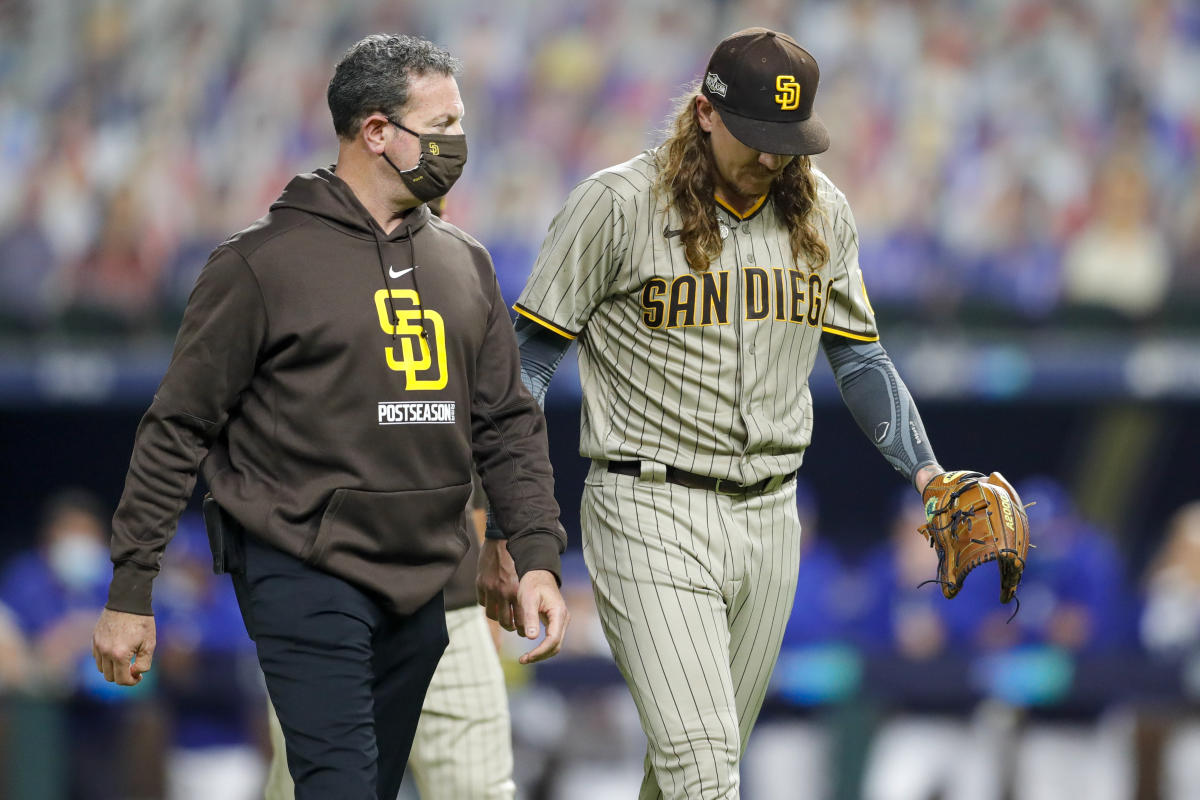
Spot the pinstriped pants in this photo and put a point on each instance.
(693, 589)
(463, 745)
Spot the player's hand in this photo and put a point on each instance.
(496, 583)
(117, 639)
(539, 599)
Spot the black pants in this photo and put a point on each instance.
(346, 677)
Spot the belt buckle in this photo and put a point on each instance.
(734, 488)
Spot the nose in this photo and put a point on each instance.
(773, 162)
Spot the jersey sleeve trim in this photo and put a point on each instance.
(545, 323)
(849, 334)
(866, 298)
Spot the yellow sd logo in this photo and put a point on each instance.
(421, 370)
(434, 149)
(789, 92)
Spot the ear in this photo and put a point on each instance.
(374, 133)
(705, 113)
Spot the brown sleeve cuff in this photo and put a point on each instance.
(130, 588)
(536, 550)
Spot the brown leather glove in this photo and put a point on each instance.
(973, 519)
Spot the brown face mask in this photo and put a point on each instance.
(443, 156)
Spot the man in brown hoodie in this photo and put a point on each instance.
(339, 364)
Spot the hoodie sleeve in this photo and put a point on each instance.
(511, 451)
(216, 351)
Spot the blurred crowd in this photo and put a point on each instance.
(978, 701)
(191, 729)
(1010, 157)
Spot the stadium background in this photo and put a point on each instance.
(1026, 181)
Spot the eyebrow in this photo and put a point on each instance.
(448, 117)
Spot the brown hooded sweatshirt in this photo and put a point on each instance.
(325, 422)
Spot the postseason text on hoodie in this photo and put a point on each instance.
(327, 424)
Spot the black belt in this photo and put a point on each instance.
(693, 481)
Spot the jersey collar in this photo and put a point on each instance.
(754, 209)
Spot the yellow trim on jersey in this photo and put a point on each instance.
(757, 205)
(542, 322)
(866, 298)
(849, 334)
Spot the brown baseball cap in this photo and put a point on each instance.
(763, 83)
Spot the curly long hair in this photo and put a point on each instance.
(686, 171)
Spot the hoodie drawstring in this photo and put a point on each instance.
(412, 260)
(388, 286)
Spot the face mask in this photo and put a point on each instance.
(78, 560)
(443, 156)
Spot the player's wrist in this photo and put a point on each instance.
(924, 474)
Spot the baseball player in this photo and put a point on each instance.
(463, 744)
(699, 279)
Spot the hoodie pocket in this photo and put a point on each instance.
(403, 545)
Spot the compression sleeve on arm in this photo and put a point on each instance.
(542, 350)
(880, 402)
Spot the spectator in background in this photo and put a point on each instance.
(117, 279)
(1075, 600)
(901, 615)
(793, 749)
(1170, 628)
(26, 260)
(1120, 261)
(17, 672)
(1170, 623)
(927, 750)
(824, 603)
(1187, 233)
(963, 101)
(55, 591)
(1074, 592)
(1021, 268)
(209, 683)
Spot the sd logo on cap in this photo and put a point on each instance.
(763, 83)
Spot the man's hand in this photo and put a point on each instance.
(119, 637)
(496, 583)
(538, 598)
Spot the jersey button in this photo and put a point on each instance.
(750, 258)
(746, 228)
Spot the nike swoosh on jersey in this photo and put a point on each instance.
(394, 274)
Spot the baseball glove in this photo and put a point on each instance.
(973, 519)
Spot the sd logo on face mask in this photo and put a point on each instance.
(443, 156)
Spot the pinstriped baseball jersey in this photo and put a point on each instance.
(707, 372)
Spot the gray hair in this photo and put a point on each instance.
(372, 77)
